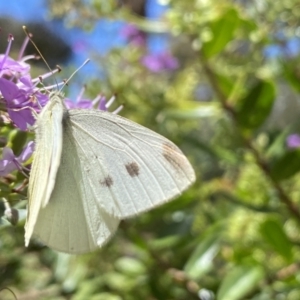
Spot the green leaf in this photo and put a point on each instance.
(5, 189)
(119, 282)
(286, 166)
(165, 242)
(105, 296)
(248, 25)
(201, 260)
(222, 31)
(225, 84)
(130, 266)
(239, 282)
(291, 73)
(255, 107)
(277, 146)
(273, 233)
(202, 110)
(18, 141)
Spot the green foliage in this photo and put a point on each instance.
(272, 232)
(287, 165)
(239, 281)
(255, 107)
(235, 233)
(201, 260)
(221, 31)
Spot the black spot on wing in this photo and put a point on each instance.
(173, 155)
(133, 169)
(107, 182)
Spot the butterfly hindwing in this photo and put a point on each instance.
(73, 221)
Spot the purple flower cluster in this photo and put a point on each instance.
(17, 90)
(133, 35)
(10, 162)
(158, 62)
(99, 102)
(293, 141)
(23, 100)
(154, 62)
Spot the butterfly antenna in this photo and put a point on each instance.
(41, 55)
(29, 35)
(67, 81)
(35, 46)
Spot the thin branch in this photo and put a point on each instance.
(259, 159)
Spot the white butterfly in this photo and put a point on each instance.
(93, 168)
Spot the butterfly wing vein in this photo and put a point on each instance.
(110, 169)
(130, 168)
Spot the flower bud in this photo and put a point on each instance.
(12, 215)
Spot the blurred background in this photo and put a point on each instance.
(219, 79)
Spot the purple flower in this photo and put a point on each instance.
(11, 163)
(21, 102)
(17, 89)
(293, 141)
(160, 62)
(9, 68)
(133, 35)
(98, 103)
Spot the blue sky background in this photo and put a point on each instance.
(105, 35)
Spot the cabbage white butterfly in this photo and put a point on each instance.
(92, 169)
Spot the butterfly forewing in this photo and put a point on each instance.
(48, 147)
(130, 168)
